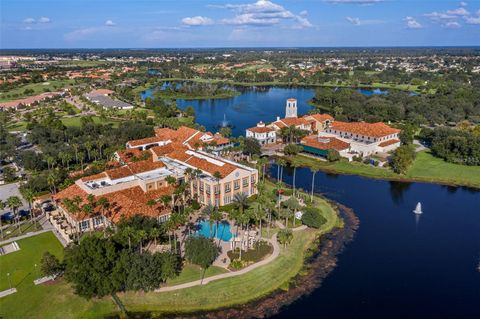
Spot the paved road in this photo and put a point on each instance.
(8, 190)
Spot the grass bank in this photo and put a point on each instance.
(34, 89)
(426, 168)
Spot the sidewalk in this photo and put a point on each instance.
(46, 227)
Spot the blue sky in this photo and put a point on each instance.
(232, 23)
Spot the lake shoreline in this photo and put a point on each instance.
(321, 259)
(400, 178)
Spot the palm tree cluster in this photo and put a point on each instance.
(291, 134)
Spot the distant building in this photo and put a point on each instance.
(263, 134)
(102, 98)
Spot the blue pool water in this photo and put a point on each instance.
(224, 233)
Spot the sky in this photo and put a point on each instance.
(237, 23)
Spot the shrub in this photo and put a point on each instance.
(292, 149)
(333, 156)
(313, 218)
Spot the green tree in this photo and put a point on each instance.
(50, 265)
(284, 236)
(402, 158)
(200, 251)
(333, 155)
(89, 267)
(14, 203)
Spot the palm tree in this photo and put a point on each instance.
(262, 161)
(294, 165)
(216, 216)
(14, 203)
(241, 201)
(2, 207)
(104, 205)
(52, 179)
(218, 176)
(293, 205)
(155, 233)
(314, 171)
(141, 235)
(285, 236)
(29, 195)
(281, 164)
(171, 181)
(242, 219)
(129, 231)
(258, 212)
(207, 212)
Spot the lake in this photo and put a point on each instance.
(400, 265)
(254, 104)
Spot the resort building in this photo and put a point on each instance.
(263, 134)
(189, 137)
(143, 178)
(349, 139)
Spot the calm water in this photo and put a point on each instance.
(399, 265)
(252, 106)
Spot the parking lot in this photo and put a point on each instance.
(11, 190)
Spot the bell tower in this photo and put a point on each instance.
(291, 108)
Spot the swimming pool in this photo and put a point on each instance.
(224, 233)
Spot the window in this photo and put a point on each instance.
(245, 182)
(227, 188)
(227, 200)
(163, 219)
(207, 189)
(236, 184)
(216, 189)
(97, 221)
(253, 179)
(84, 225)
(201, 186)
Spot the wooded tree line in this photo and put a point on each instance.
(454, 145)
(449, 104)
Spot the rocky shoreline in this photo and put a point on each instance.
(321, 261)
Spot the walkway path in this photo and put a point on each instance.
(275, 254)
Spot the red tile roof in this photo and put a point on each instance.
(378, 129)
(262, 129)
(291, 121)
(389, 142)
(124, 203)
(126, 156)
(101, 92)
(325, 143)
(319, 117)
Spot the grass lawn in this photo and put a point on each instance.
(194, 272)
(18, 92)
(426, 168)
(43, 301)
(75, 121)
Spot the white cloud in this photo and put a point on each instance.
(463, 4)
(473, 20)
(439, 16)
(459, 12)
(197, 21)
(263, 13)
(303, 13)
(110, 23)
(363, 2)
(29, 21)
(451, 25)
(44, 20)
(354, 21)
(412, 23)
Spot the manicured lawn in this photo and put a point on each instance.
(426, 168)
(75, 121)
(43, 301)
(36, 87)
(193, 272)
(430, 168)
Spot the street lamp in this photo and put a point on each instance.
(9, 282)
